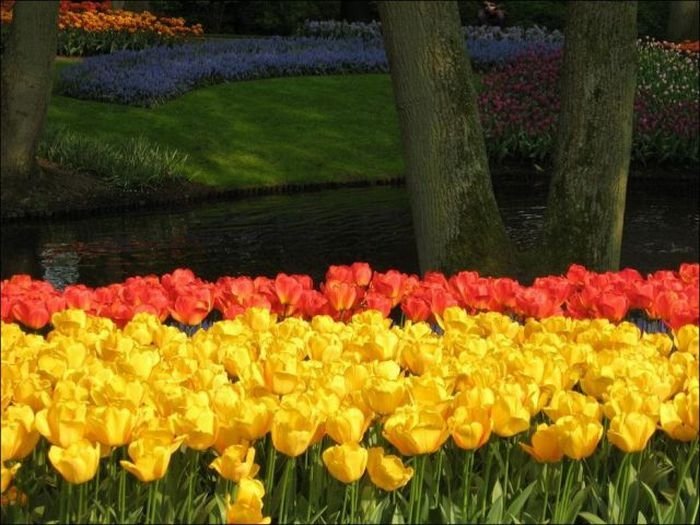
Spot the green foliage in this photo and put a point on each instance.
(502, 485)
(131, 164)
(78, 42)
(652, 15)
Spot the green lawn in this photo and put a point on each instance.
(263, 132)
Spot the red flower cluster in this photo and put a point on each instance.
(689, 46)
(668, 295)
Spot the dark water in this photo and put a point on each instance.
(305, 233)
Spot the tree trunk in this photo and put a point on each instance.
(586, 203)
(683, 20)
(27, 76)
(456, 220)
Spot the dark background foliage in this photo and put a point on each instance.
(283, 17)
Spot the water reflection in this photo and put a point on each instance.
(305, 233)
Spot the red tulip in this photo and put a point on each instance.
(416, 308)
(612, 306)
(288, 292)
(377, 301)
(79, 296)
(341, 295)
(389, 284)
(192, 304)
(31, 312)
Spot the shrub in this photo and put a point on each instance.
(132, 164)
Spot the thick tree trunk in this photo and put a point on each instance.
(456, 220)
(586, 204)
(27, 75)
(683, 20)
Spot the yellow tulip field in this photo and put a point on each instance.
(477, 418)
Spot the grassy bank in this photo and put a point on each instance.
(260, 133)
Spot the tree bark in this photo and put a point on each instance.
(586, 205)
(683, 20)
(27, 77)
(456, 220)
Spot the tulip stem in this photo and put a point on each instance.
(487, 475)
(269, 471)
(468, 464)
(545, 472)
(97, 487)
(81, 503)
(192, 472)
(286, 480)
(353, 500)
(682, 474)
(122, 496)
(416, 485)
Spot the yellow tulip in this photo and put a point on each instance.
(687, 338)
(416, 430)
(346, 462)
(110, 425)
(470, 427)
(292, 431)
(384, 395)
(198, 425)
(252, 418)
(475, 397)
(569, 403)
(150, 457)
(347, 425)
(429, 390)
(387, 472)
(8, 475)
(78, 462)
(259, 319)
(19, 437)
(63, 423)
(247, 509)
(509, 416)
(631, 431)
(679, 417)
(623, 399)
(280, 372)
(578, 435)
(355, 376)
(236, 462)
(545, 446)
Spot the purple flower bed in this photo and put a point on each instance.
(151, 76)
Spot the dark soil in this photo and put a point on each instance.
(58, 192)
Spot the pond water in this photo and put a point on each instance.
(307, 232)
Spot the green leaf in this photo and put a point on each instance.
(655, 505)
(576, 504)
(517, 504)
(592, 518)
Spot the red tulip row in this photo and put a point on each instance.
(671, 296)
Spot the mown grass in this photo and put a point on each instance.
(260, 133)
